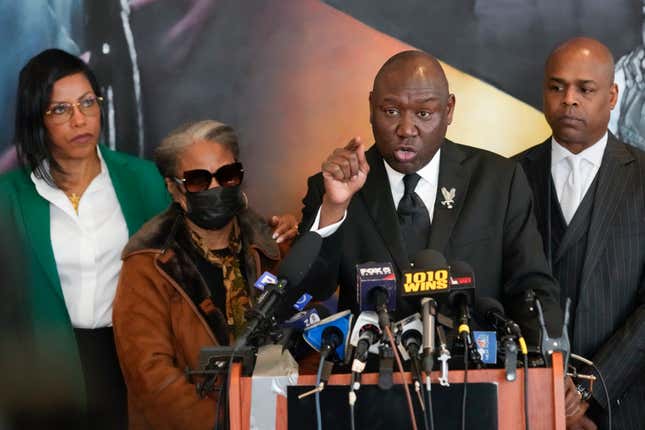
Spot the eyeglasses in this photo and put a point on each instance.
(62, 112)
(197, 180)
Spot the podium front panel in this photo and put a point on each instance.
(378, 409)
(546, 397)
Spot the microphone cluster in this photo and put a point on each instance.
(419, 338)
(446, 299)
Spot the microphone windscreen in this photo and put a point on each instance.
(429, 259)
(462, 268)
(462, 283)
(297, 263)
(484, 305)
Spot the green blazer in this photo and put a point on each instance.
(25, 219)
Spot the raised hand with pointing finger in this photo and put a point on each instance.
(344, 173)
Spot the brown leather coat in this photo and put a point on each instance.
(158, 328)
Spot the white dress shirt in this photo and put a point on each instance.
(87, 247)
(426, 189)
(587, 162)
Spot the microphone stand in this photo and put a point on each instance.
(549, 345)
(386, 364)
(510, 356)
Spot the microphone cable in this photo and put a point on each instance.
(526, 393)
(422, 404)
(417, 378)
(416, 371)
(525, 353)
(224, 390)
(406, 388)
(353, 387)
(465, 392)
(428, 396)
(602, 382)
(464, 332)
(604, 388)
(317, 395)
(357, 367)
(320, 385)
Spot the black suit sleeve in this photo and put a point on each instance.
(621, 359)
(322, 279)
(525, 265)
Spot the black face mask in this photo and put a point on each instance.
(214, 208)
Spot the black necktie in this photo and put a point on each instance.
(414, 218)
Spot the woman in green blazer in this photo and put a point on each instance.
(66, 214)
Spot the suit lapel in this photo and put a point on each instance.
(538, 172)
(125, 181)
(452, 174)
(612, 182)
(377, 196)
(36, 219)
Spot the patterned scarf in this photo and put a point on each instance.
(228, 259)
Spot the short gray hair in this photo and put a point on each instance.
(170, 149)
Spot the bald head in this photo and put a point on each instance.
(579, 92)
(410, 110)
(417, 68)
(584, 49)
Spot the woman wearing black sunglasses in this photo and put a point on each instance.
(70, 208)
(187, 277)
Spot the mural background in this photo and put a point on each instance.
(293, 76)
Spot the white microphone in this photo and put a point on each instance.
(365, 338)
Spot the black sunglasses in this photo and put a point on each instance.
(197, 180)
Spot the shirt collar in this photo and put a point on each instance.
(429, 172)
(592, 154)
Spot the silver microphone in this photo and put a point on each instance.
(429, 306)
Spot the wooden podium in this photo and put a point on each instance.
(546, 395)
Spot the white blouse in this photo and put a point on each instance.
(87, 247)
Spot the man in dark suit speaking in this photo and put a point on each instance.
(589, 193)
(414, 189)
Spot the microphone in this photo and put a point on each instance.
(430, 275)
(431, 267)
(330, 335)
(462, 283)
(292, 270)
(376, 290)
(365, 338)
(429, 309)
(461, 298)
(305, 318)
(296, 326)
(409, 332)
(493, 312)
(269, 279)
(409, 335)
